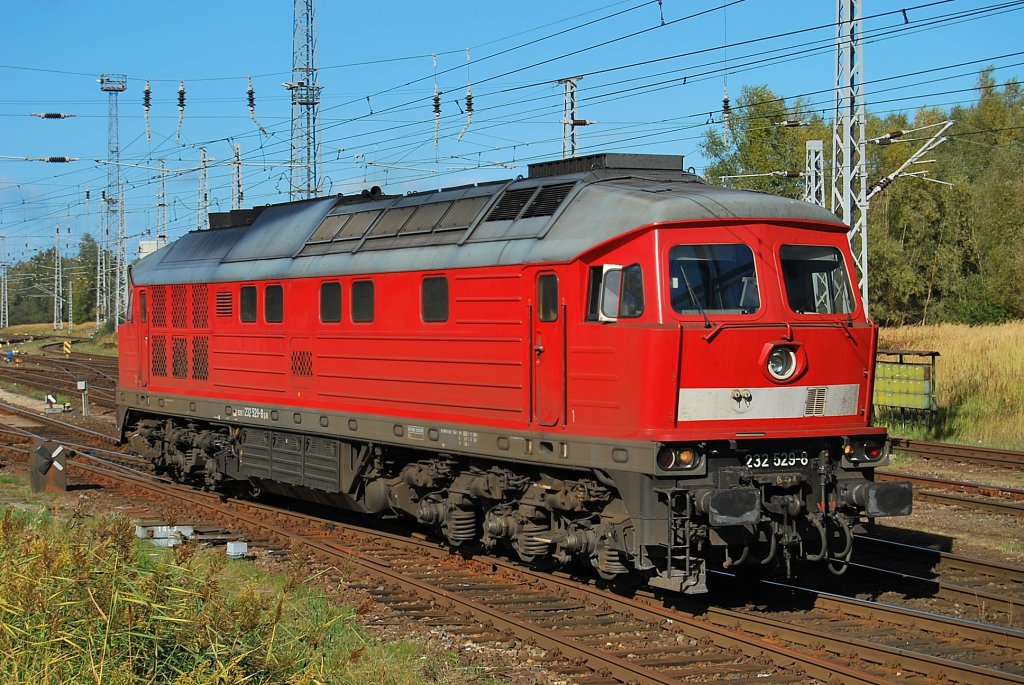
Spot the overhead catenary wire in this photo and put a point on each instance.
(412, 139)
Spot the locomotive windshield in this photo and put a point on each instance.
(713, 279)
(816, 280)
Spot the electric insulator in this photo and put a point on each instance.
(181, 96)
(726, 108)
(146, 95)
(58, 160)
(437, 103)
(469, 103)
(252, 97)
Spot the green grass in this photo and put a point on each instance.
(979, 381)
(84, 601)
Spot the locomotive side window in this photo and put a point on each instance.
(631, 294)
(362, 301)
(330, 302)
(713, 278)
(434, 299)
(142, 306)
(615, 292)
(610, 294)
(273, 304)
(247, 310)
(816, 279)
(547, 298)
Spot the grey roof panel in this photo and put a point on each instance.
(280, 230)
(607, 204)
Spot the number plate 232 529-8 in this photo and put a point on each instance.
(776, 460)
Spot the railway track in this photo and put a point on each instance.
(60, 375)
(977, 496)
(962, 453)
(603, 637)
(989, 590)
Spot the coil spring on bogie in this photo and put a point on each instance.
(461, 525)
(609, 561)
(534, 540)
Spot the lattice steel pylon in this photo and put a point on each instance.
(203, 205)
(114, 84)
(305, 163)
(814, 176)
(849, 135)
(569, 115)
(237, 191)
(4, 306)
(161, 204)
(58, 283)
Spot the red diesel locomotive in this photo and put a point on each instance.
(607, 364)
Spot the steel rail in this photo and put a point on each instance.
(57, 423)
(966, 453)
(947, 565)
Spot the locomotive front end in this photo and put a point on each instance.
(776, 456)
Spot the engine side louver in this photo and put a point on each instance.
(159, 355)
(200, 306)
(160, 306)
(201, 358)
(179, 305)
(225, 306)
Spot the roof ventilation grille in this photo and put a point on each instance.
(510, 204)
(547, 200)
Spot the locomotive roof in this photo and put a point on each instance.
(551, 216)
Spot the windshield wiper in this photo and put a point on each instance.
(693, 297)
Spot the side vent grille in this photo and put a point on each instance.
(160, 307)
(159, 355)
(201, 358)
(179, 357)
(200, 306)
(302, 363)
(510, 204)
(548, 200)
(225, 303)
(179, 305)
(815, 405)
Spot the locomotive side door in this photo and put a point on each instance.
(142, 338)
(548, 352)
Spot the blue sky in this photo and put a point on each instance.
(377, 74)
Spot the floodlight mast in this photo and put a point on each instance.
(305, 162)
(114, 84)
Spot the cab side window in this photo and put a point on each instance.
(615, 292)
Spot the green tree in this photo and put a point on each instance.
(755, 140)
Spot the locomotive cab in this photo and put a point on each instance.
(769, 456)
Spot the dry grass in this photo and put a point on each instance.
(82, 601)
(979, 379)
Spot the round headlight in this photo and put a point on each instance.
(677, 458)
(667, 458)
(782, 363)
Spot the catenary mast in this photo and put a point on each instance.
(304, 163)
